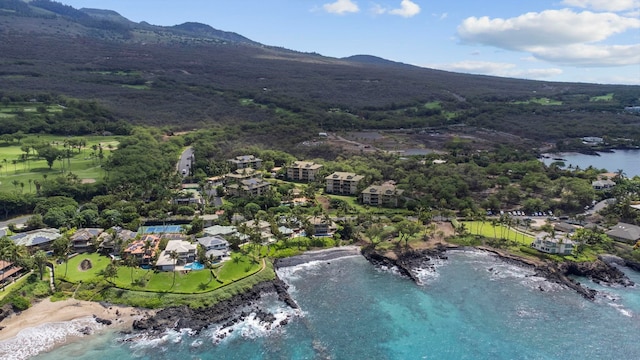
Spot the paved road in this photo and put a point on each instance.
(601, 205)
(184, 164)
(17, 220)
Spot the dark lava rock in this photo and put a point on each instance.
(102, 321)
(224, 312)
(6, 311)
(597, 271)
(407, 260)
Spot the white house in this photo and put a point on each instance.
(185, 250)
(558, 244)
(215, 246)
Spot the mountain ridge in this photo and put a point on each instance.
(192, 75)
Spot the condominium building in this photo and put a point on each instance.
(343, 183)
(245, 161)
(303, 171)
(386, 194)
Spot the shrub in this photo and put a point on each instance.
(41, 289)
(20, 303)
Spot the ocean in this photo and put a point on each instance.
(471, 306)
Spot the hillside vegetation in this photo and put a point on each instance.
(191, 75)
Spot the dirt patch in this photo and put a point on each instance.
(88, 181)
(323, 201)
(85, 265)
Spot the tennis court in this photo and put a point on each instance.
(160, 229)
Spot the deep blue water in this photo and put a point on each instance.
(474, 306)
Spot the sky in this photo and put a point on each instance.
(595, 41)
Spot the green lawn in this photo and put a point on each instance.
(74, 274)
(486, 230)
(81, 164)
(433, 105)
(159, 281)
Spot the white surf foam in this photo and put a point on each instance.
(32, 341)
(428, 274)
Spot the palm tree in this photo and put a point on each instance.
(173, 255)
(40, 259)
(494, 224)
(62, 248)
(131, 262)
(111, 271)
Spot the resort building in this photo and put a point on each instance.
(143, 249)
(558, 244)
(245, 161)
(262, 227)
(242, 174)
(625, 232)
(303, 171)
(9, 272)
(111, 240)
(564, 227)
(185, 254)
(215, 246)
(322, 226)
(36, 239)
(386, 194)
(603, 184)
(343, 183)
(249, 188)
(188, 196)
(83, 239)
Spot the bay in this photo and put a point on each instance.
(627, 160)
(472, 306)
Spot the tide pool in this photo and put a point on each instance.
(473, 306)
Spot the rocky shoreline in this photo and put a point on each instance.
(234, 310)
(599, 271)
(227, 312)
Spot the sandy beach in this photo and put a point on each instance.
(47, 311)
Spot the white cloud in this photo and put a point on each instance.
(547, 28)
(591, 55)
(560, 36)
(604, 5)
(341, 7)
(407, 9)
(498, 69)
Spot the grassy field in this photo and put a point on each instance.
(82, 163)
(540, 101)
(486, 230)
(607, 97)
(152, 281)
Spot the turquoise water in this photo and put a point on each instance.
(194, 266)
(474, 306)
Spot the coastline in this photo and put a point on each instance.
(318, 255)
(70, 319)
(598, 271)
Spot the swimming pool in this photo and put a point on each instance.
(194, 266)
